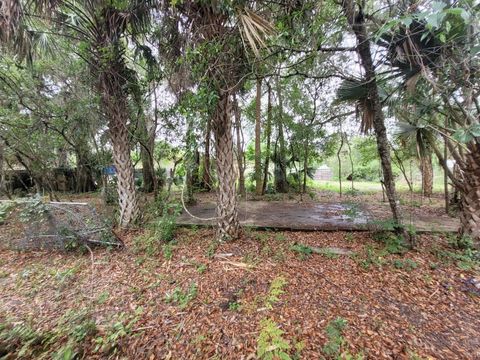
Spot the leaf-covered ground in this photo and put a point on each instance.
(197, 299)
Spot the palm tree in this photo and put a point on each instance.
(441, 62)
(367, 93)
(221, 45)
(98, 31)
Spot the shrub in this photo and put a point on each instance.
(270, 343)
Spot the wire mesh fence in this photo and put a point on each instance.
(59, 226)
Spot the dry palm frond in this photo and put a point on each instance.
(254, 29)
(11, 13)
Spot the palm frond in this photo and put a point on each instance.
(356, 91)
(254, 29)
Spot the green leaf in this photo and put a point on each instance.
(462, 136)
(475, 130)
(475, 50)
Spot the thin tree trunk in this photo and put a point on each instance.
(305, 166)
(426, 169)
(351, 160)
(281, 184)
(340, 163)
(445, 174)
(268, 135)
(402, 169)
(227, 216)
(206, 178)
(240, 154)
(258, 150)
(147, 145)
(357, 22)
(84, 172)
(189, 162)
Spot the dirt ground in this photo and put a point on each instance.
(196, 298)
(327, 210)
(429, 310)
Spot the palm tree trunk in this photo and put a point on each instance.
(357, 22)
(113, 101)
(426, 169)
(470, 193)
(227, 216)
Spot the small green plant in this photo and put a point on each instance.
(463, 242)
(21, 340)
(180, 297)
(65, 341)
(394, 244)
(103, 297)
(302, 250)
(201, 268)
(465, 260)
(234, 306)
(5, 209)
(167, 250)
(160, 232)
(280, 236)
(270, 343)
(407, 264)
(333, 346)
(276, 289)
(372, 257)
(122, 327)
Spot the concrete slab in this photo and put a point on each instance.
(307, 217)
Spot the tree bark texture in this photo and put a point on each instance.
(227, 216)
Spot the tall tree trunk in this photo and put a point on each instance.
(426, 168)
(258, 150)
(227, 216)
(206, 178)
(268, 135)
(113, 99)
(470, 193)
(357, 22)
(281, 184)
(84, 172)
(445, 173)
(148, 170)
(240, 154)
(147, 147)
(305, 166)
(340, 163)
